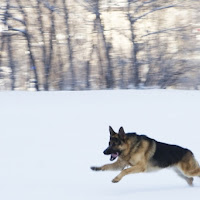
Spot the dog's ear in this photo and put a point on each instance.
(112, 132)
(122, 133)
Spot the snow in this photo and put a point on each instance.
(49, 140)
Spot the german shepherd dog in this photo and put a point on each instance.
(139, 153)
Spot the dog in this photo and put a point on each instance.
(139, 153)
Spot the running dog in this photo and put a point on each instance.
(139, 153)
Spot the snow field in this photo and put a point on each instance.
(49, 140)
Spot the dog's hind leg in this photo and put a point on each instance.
(188, 179)
(189, 166)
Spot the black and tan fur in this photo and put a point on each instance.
(139, 153)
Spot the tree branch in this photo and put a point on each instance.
(165, 30)
(151, 11)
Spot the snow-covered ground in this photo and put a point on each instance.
(49, 140)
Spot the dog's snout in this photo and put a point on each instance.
(104, 151)
(107, 151)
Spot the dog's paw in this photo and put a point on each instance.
(116, 179)
(95, 168)
(190, 181)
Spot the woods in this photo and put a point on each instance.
(99, 44)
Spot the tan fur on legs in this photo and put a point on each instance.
(189, 166)
(118, 165)
(180, 174)
(134, 169)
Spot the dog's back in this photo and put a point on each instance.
(167, 155)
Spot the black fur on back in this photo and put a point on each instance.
(167, 155)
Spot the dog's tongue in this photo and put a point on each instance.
(113, 156)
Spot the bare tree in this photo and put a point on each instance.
(103, 47)
(136, 11)
(27, 35)
(44, 51)
(69, 46)
(48, 63)
(7, 40)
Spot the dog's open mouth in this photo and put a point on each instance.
(114, 156)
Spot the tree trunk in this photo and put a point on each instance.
(29, 47)
(109, 71)
(11, 62)
(69, 46)
(135, 68)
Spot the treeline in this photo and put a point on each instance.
(99, 44)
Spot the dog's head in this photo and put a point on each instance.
(116, 143)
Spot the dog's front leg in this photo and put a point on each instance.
(118, 165)
(134, 169)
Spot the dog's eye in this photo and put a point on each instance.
(112, 144)
(118, 142)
